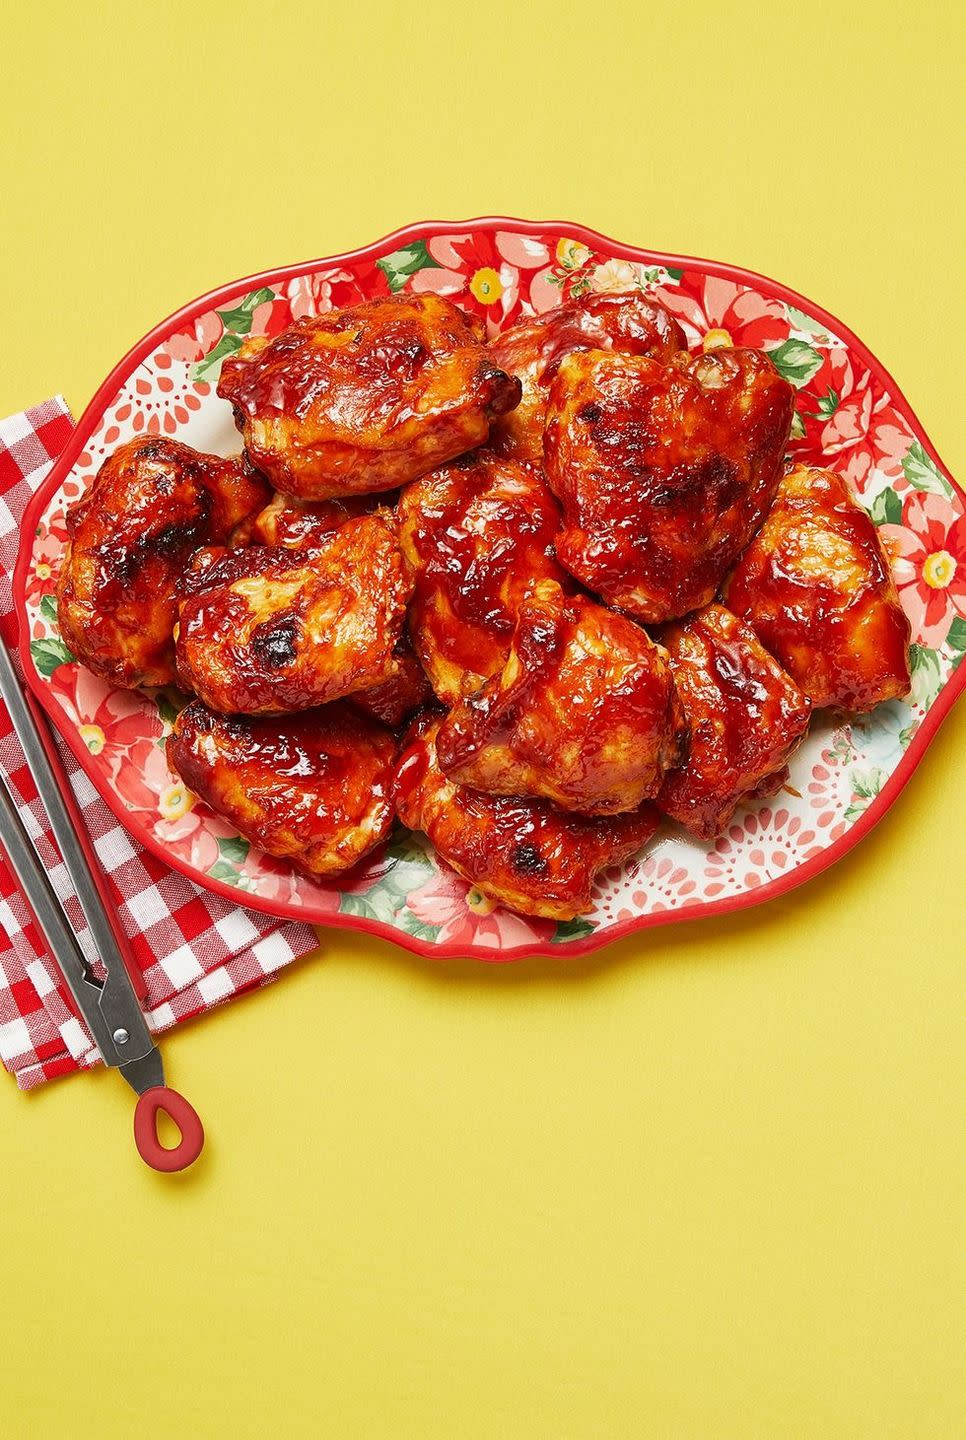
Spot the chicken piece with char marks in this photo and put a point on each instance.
(526, 854)
(131, 536)
(816, 587)
(314, 789)
(297, 525)
(664, 471)
(631, 324)
(366, 398)
(584, 714)
(746, 715)
(479, 535)
(269, 630)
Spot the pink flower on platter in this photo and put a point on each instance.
(569, 274)
(546, 291)
(198, 339)
(191, 344)
(526, 252)
(48, 554)
(850, 421)
(120, 729)
(928, 553)
(273, 879)
(144, 777)
(55, 525)
(184, 827)
(271, 317)
(311, 294)
(468, 918)
(481, 273)
(333, 289)
(717, 312)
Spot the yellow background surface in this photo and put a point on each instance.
(707, 1184)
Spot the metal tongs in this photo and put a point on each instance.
(110, 1007)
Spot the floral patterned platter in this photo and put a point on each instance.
(850, 416)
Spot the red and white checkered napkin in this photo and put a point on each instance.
(194, 949)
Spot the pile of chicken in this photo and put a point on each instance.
(527, 596)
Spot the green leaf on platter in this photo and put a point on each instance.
(419, 929)
(238, 323)
(239, 319)
(827, 404)
(923, 474)
(926, 673)
(796, 361)
(376, 904)
(404, 844)
(48, 607)
(854, 811)
(410, 867)
(354, 905)
(398, 266)
(956, 642)
(49, 655)
(866, 783)
(800, 321)
(404, 876)
(234, 848)
(221, 870)
(168, 710)
(886, 508)
(211, 363)
(572, 930)
(798, 427)
(673, 274)
(843, 745)
(956, 639)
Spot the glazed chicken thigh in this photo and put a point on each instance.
(297, 523)
(479, 535)
(525, 853)
(151, 505)
(406, 690)
(664, 471)
(272, 630)
(584, 714)
(631, 324)
(746, 715)
(366, 398)
(816, 587)
(314, 789)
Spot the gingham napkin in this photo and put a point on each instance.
(194, 949)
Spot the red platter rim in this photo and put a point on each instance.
(562, 950)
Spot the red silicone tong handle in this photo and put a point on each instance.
(178, 1109)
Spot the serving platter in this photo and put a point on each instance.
(850, 417)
